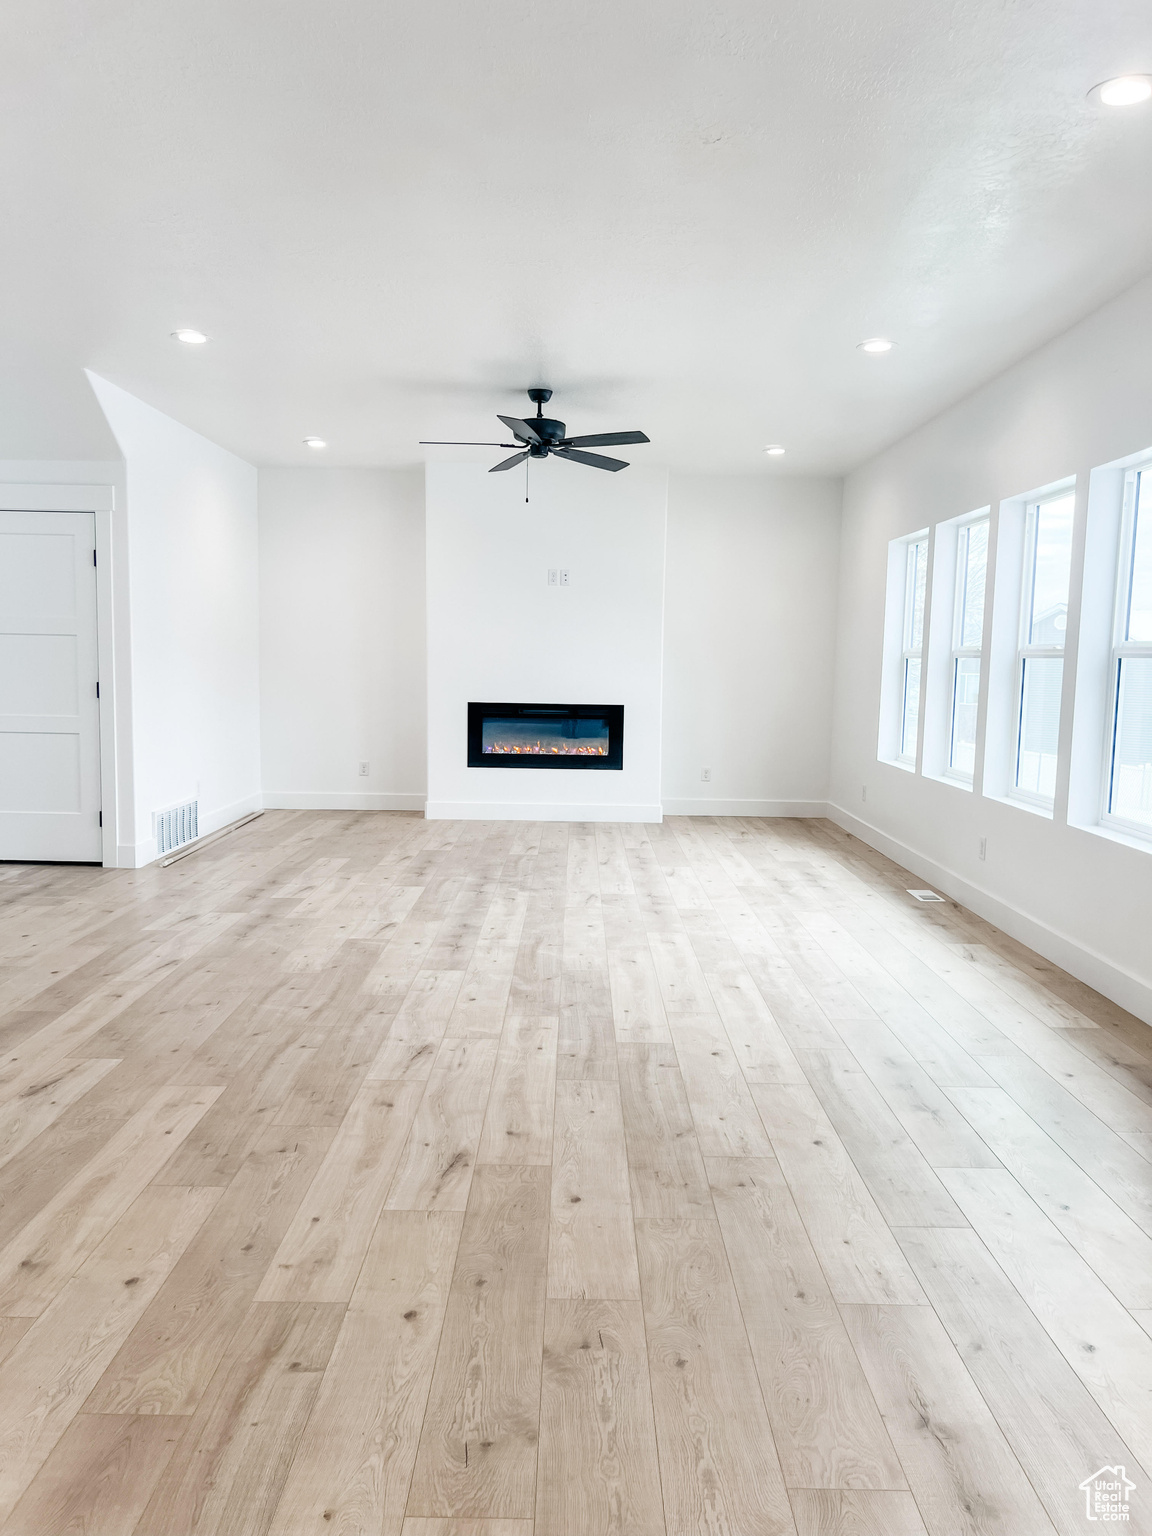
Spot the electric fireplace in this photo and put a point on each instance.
(545, 735)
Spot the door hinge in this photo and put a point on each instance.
(93, 557)
(97, 687)
(101, 815)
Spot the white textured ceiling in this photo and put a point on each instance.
(681, 214)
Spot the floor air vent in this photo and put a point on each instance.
(925, 896)
(176, 826)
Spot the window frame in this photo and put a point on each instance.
(1121, 648)
(909, 652)
(961, 652)
(1027, 651)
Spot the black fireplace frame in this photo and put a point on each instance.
(613, 714)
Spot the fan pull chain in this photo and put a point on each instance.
(527, 461)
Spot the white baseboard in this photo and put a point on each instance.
(137, 855)
(314, 800)
(1130, 991)
(745, 807)
(224, 815)
(500, 810)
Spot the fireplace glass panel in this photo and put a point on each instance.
(545, 735)
(540, 735)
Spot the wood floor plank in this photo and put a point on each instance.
(916, 1093)
(354, 1460)
(598, 1468)
(718, 1465)
(896, 1172)
(435, 1169)
(320, 1255)
(827, 1427)
(410, 1047)
(1111, 1242)
(168, 1360)
(665, 1169)
(1101, 1341)
(477, 1451)
(962, 1472)
(1047, 1414)
(637, 1006)
(44, 1254)
(821, 1512)
(11, 1330)
(855, 1246)
(592, 1247)
(521, 1105)
(723, 1109)
(537, 1030)
(683, 987)
(760, 1045)
(484, 992)
(55, 1365)
(1121, 1170)
(442, 1527)
(228, 1469)
(98, 1478)
(41, 1103)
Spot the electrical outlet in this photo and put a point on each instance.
(983, 847)
(563, 578)
(706, 775)
(363, 770)
(551, 575)
(864, 792)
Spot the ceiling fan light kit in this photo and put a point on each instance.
(540, 436)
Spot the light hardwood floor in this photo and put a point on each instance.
(363, 1176)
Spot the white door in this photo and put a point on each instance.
(49, 712)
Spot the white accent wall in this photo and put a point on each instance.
(342, 638)
(192, 607)
(1077, 896)
(750, 626)
(498, 632)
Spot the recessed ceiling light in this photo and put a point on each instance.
(875, 344)
(774, 449)
(190, 338)
(1124, 91)
(315, 442)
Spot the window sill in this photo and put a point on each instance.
(894, 762)
(953, 780)
(1018, 803)
(1115, 835)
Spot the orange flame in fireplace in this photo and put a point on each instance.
(554, 749)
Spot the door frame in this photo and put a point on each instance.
(100, 500)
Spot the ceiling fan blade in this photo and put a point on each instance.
(452, 442)
(597, 460)
(517, 458)
(605, 440)
(524, 430)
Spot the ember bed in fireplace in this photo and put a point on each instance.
(545, 735)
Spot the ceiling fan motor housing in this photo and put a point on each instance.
(551, 431)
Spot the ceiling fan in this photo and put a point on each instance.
(539, 436)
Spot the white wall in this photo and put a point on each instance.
(749, 625)
(1076, 896)
(498, 631)
(342, 638)
(192, 577)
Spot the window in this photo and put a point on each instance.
(967, 640)
(912, 650)
(1040, 652)
(1128, 775)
